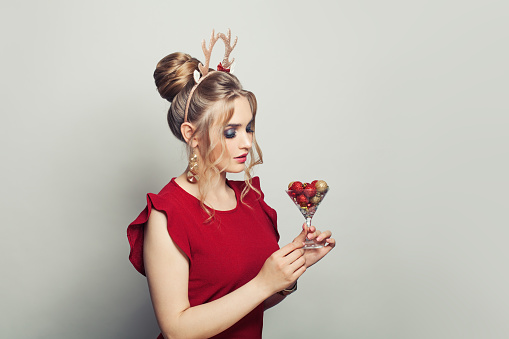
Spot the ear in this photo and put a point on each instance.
(187, 129)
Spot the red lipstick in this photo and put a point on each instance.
(242, 158)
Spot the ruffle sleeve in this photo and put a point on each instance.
(269, 211)
(135, 231)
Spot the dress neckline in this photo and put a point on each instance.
(195, 199)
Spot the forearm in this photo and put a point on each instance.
(276, 298)
(273, 300)
(207, 320)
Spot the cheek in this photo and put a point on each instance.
(218, 150)
(230, 146)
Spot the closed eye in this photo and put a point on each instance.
(231, 129)
(249, 128)
(230, 133)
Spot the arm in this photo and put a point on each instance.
(311, 256)
(273, 300)
(167, 270)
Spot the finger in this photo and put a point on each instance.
(300, 271)
(313, 235)
(283, 251)
(324, 235)
(304, 228)
(311, 229)
(331, 242)
(294, 255)
(297, 264)
(302, 235)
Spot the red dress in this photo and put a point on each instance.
(224, 254)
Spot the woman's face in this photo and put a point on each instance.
(239, 137)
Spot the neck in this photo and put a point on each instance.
(219, 196)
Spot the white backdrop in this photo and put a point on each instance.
(400, 105)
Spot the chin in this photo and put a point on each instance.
(236, 168)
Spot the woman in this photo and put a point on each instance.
(207, 245)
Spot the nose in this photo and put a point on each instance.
(246, 141)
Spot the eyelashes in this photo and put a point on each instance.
(249, 129)
(232, 132)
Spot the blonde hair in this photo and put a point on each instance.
(211, 107)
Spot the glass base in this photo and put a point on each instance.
(310, 244)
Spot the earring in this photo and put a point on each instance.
(192, 174)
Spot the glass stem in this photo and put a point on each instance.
(308, 225)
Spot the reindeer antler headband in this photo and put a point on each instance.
(204, 70)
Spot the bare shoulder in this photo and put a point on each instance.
(158, 244)
(156, 221)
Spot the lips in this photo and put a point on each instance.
(242, 158)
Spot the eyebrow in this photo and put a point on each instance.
(238, 125)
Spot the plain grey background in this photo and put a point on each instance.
(400, 105)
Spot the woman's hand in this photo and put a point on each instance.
(282, 268)
(314, 255)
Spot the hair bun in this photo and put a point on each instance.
(173, 73)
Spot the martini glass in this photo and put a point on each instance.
(307, 201)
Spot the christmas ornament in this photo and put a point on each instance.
(302, 200)
(296, 186)
(321, 186)
(310, 190)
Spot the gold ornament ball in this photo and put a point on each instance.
(321, 186)
(315, 200)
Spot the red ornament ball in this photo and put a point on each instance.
(310, 190)
(296, 186)
(302, 200)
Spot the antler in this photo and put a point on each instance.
(228, 48)
(207, 52)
